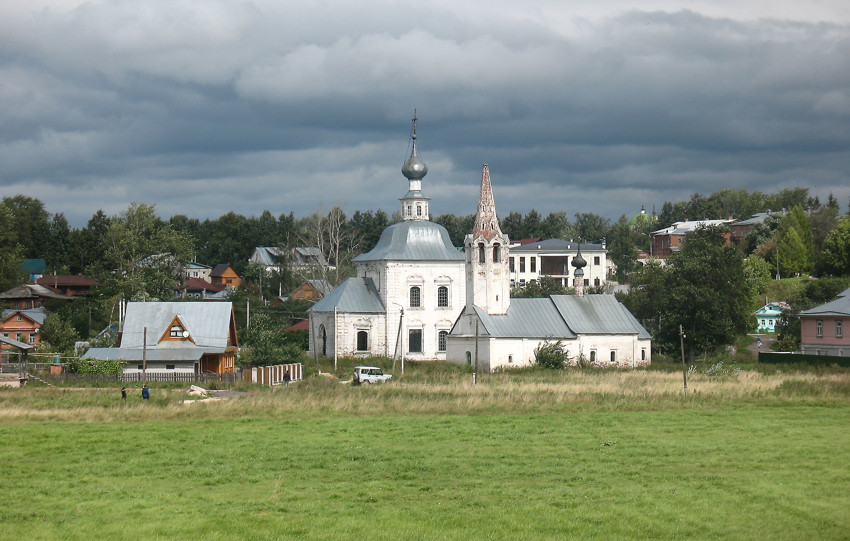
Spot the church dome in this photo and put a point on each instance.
(413, 240)
(414, 168)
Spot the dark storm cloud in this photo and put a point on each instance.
(207, 107)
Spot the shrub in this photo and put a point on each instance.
(550, 355)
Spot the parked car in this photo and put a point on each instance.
(369, 374)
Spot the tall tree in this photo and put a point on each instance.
(144, 252)
(591, 227)
(621, 248)
(835, 257)
(31, 224)
(557, 226)
(705, 290)
(58, 258)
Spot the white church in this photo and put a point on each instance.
(417, 295)
(407, 294)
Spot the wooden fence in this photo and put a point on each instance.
(273, 375)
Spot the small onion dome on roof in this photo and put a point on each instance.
(578, 262)
(414, 168)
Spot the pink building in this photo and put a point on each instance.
(823, 331)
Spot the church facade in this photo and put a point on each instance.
(408, 291)
(495, 331)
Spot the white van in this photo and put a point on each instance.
(369, 374)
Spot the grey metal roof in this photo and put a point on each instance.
(15, 343)
(413, 240)
(36, 314)
(562, 316)
(267, 255)
(357, 295)
(557, 245)
(152, 355)
(757, 218)
(415, 194)
(526, 318)
(30, 291)
(838, 307)
(597, 314)
(208, 323)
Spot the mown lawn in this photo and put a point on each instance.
(748, 471)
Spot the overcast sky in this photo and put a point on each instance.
(210, 106)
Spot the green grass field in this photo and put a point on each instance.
(520, 456)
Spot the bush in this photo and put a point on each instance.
(90, 365)
(550, 355)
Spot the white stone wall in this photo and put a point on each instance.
(344, 339)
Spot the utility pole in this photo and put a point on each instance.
(684, 370)
(145, 356)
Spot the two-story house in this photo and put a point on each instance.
(822, 328)
(551, 258)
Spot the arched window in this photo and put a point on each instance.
(838, 330)
(481, 252)
(820, 329)
(497, 257)
(409, 210)
(643, 354)
(419, 210)
(415, 297)
(613, 356)
(362, 341)
(442, 296)
(469, 358)
(324, 336)
(441, 340)
(593, 355)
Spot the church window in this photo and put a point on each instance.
(643, 354)
(510, 359)
(362, 341)
(838, 330)
(820, 329)
(593, 355)
(533, 262)
(324, 335)
(441, 340)
(443, 296)
(596, 260)
(469, 357)
(522, 264)
(613, 356)
(497, 257)
(414, 340)
(409, 210)
(511, 263)
(415, 297)
(419, 210)
(481, 252)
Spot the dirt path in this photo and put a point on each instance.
(766, 342)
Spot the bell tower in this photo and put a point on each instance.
(414, 205)
(487, 276)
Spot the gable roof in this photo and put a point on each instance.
(35, 314)
(197, 284)
(65, 280)
(354, 295)
(32, 291)
(562, 316)
(597, 314)
(838, 307)
(220, 269)
(208, 323)
(267, 255)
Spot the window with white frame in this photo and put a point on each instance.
(441, 340)
(443, 296)
(414, 340)
(613, 356)
(415, 297)
(362, 341)
(819, 329)
(838, 332)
